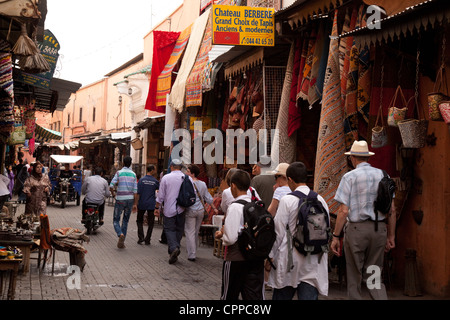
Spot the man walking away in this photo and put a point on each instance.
(96, 189)
(295, 273)
(363, 245)
(239, 276)
(174, 216)
(145, 202)
(263, 182)
(125, 179)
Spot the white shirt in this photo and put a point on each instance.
(234, 221)
(280, 192)
(306, 268)
(227, 198)
(4, 181)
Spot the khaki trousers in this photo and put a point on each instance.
(364, 247)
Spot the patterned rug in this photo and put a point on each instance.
(331, 163)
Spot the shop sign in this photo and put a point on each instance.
(49, 49)
(205, 121)
(247, 26)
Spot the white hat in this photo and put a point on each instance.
(360, 149)
(281, 169)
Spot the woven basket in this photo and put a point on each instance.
(397, 114)
(413, 131)
(379, 133)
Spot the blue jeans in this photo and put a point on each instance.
(174, 229)
(305, 291)
(124, 206)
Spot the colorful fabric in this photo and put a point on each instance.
(294, 118)
(308, 66)
(200, 71)
(164, 82)
(331, 163)
(178, 93)
(6, 73)
(314, 90)
(163, 45)
(304, 54)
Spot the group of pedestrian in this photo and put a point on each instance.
(290, 272)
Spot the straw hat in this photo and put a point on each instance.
(360, 149)
(281, 169)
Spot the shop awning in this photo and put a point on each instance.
(301, 11)
(45, 135)
(414, 17)
(245, 61)
(121, 135)
(66, 159)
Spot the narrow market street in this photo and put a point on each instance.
(138, 272)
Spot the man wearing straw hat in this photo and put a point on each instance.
(364, 246)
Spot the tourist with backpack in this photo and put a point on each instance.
(177, 193)
(240, 275)
(300, 262)
(365, 238)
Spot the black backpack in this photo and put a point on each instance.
(313, 225)
(258, 235)
(385, 194)
(186, 195)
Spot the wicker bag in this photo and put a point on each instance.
(397, 114)
(436, 97)
(379, 133)
(414, 131)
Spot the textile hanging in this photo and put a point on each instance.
(331, 163)
(200, 70)
(318, 66)
(306, 79)
(294, 119)
(163, 45)
(6, 70)
(164, 82)
(177, 96)
(349, 89)
(283, 145)
(345, 45)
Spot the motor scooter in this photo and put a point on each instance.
(91, 217)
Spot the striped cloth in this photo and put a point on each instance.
(45, 135)
(165, 78)
(331, 163)
(126, 184)
(6, 72)
(201, 68)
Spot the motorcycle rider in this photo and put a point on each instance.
(66, 172)
(95, 188)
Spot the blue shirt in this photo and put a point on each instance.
(146, 189)
(358, 191)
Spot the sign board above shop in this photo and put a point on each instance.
(245, 26)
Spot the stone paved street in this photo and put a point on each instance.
(138, 272)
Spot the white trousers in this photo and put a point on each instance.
(191, 229)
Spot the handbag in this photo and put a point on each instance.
(436, 97)
(414, 131)
(444, 108)
(379, 133)
(205, 212)
(397, 114)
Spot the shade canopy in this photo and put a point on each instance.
(45, 135)
(66, 159)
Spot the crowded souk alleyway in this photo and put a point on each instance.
(309, 76)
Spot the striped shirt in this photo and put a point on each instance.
(126, 184)
(358, 190)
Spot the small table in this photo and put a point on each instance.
(24, 246)
(13, 266)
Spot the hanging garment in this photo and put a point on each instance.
(6, 69)
(178, 94)
(164, 82)
(308, 66)
(202, 66)
(163, 45)
(304, 54)
(314, 90)
(331, 162)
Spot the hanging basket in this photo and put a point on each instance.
(414, 131)
(397, 114)
(137, 144)
(436, 97)
(444, 108)
(379, 132)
